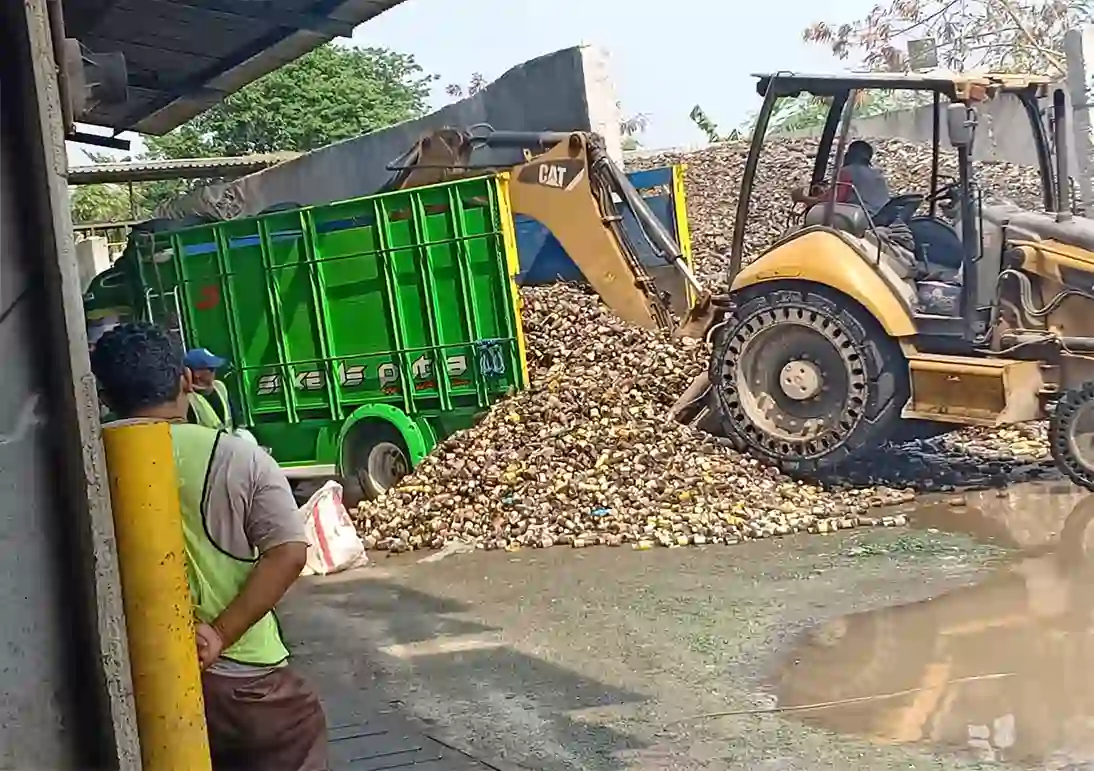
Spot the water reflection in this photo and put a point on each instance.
(1003, 669)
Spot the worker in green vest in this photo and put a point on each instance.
(245, 546)
(209, 405)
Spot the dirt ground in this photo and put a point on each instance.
(604, 659)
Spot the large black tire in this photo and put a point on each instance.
(377, 458)
(1069, 435)
(857, 374)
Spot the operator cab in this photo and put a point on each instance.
(937, 247)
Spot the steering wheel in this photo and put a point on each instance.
(899, 209)
(947, 191)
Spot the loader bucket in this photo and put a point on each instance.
(707, 311)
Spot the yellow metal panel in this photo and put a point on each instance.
(158, 610)
(1045, 258)
(683, 228)
(509, 237)
(973, 391)
(823, 258)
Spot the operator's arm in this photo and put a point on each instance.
(819, 193)
(275, 529)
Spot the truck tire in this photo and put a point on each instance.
(378, 459)
(803, 378)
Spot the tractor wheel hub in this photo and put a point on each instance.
(801, 380)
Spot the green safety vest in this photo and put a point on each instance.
(206, 415)
(216, 577)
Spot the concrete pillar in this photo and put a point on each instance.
(1079, 47)
(64, 661)
(148, 526)
(600, 96)
(92, 258)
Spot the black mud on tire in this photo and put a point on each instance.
(876, 358)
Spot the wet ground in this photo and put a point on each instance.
(872, 649)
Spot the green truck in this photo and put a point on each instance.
(359, 333)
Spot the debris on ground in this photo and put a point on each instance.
(585, 456)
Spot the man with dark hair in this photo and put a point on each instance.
(245, 546)
(858, 182)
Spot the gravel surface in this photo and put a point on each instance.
(586, 457)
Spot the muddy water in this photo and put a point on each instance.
(1003, 670)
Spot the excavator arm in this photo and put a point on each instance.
(569, 184)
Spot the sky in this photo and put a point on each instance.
(665, 57)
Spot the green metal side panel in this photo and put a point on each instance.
(403, 299)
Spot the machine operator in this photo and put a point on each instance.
(209, 405)
(858, 182)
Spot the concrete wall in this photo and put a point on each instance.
(65, 691)
(567, 90)
(1003, 133)
(92, 258)
(1079, 47)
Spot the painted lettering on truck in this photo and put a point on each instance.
(387, 373)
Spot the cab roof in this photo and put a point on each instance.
(956, 86)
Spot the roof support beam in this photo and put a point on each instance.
(145, 83)
(98, 140)
(264, 11)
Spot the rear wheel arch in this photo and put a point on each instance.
(374, 430)
(819, 258)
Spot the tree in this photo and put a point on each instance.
(802, 113)
(327, 95)
(99, 203)
(709, 127)
(477, 84)
(999, 35)
(631, 128)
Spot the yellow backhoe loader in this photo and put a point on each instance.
(855, 329)
(568, 183)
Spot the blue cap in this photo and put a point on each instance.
(202, 358)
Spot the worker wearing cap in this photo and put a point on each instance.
(209, 405)
(245, 546)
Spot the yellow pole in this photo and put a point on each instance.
(158, 612)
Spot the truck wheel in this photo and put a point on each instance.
(803, 378)
(378, 459)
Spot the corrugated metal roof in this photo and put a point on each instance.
(184, 56)
(188, 168)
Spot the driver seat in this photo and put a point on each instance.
(848, 217)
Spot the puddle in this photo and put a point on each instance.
(1001, 671)
(1025, 516)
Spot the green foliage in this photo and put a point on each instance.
(805, 113)
(631, 128)
(477, 84)
(99, 203)
(330, 94)
(709, 127)
(999, 35)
